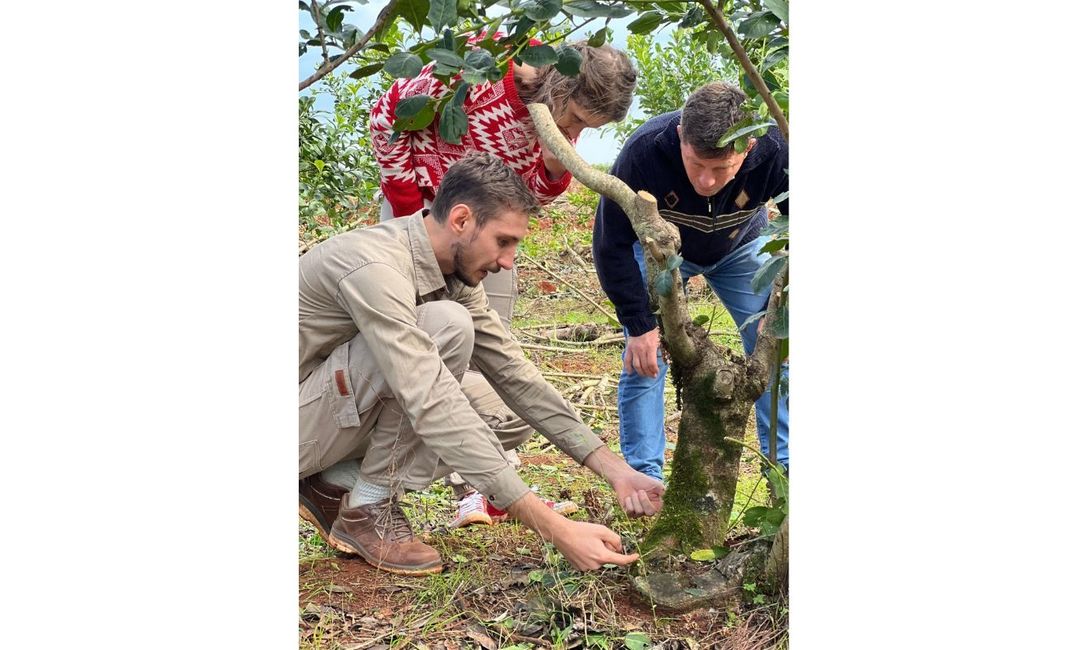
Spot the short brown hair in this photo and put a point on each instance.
(487, 185)
(604, 86)
(708, 114)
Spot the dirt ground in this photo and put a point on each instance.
(501, 586)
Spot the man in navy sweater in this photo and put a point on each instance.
(716, 197)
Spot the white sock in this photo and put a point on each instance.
(365, 493)
(343, 474)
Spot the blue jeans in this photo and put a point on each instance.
(642, 399)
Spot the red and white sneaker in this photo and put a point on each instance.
(472, 510)
(475, 509)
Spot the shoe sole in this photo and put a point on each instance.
(472, 519)
(305, 512)
(348, 546)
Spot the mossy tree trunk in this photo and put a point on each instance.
(717, 387)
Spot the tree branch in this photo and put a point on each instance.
(753, 75)
(316, 14)
(380, 21)
(765, 355)
(659, 238)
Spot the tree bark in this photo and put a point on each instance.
(716, 387)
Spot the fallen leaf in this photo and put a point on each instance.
(477, 634)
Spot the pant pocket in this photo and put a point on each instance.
(307, 458)
(341, 395)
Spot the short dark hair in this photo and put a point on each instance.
(486, 184)
(708, 114)
(604, 87)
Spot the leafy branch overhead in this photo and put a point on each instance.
(467, 46)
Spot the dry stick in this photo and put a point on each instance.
(641, 209)
(753, 75)
(611, 318)
(548, 348)
(383, 17)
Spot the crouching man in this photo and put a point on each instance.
(389, 319)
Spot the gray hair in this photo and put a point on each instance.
(708, 114)
(487, 185)
(604, 86)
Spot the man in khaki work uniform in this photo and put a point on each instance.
(390, 317)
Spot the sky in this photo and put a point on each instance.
(595, 146)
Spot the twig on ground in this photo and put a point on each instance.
(611, 318)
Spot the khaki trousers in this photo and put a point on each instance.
(369, 424)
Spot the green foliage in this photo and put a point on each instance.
(336, 168)
(669, 72)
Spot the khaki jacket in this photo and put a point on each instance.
(370, 281)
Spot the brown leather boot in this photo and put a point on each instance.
(380, 532)
(319, 503)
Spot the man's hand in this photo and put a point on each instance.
(639, 494)
(551, 163)
(641, 354)
(587, 546)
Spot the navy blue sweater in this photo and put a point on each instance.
(710, 227)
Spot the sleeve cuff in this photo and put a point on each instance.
(640, 325)
(505, 488)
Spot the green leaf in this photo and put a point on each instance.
(536, 575)
(636, 641)
(366, 70)
(410, 106)
(539, 55)
(445, 57)
(774, 245)
(741, 131)
(569, 61)
(304, 35)
(780, 326)
(413, 11)
(783, 354)
(417, 115)
(320, 164)
(403, 64)
(541, 10)
(479, 60)
(442, 13)
(758, 25)
(779, 8)
(709, 554)
(774, 57)
(594, 9)
(663, 283)
(755, 516)
(751, 319)
(693, 17)
(336, 18)
(699, 320)
(767, 273)
(599, 37)
(673, 262)
(646, 23)
(453, 123)
(777, 478)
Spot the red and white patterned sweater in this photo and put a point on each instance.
(498, 123)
